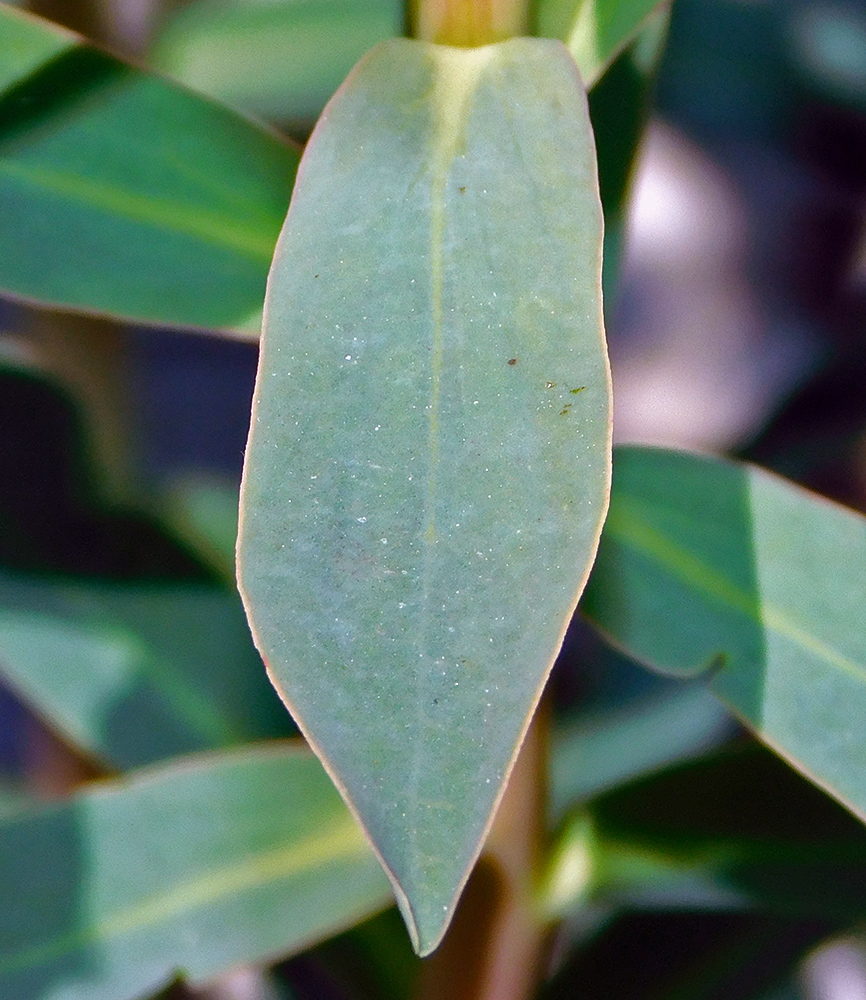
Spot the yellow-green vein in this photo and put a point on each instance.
(626, 524)
(172, 217)
(343, 841)
(456, 78)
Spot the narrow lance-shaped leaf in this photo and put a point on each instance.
(195, 868)
(124, 194)
(428, 464)
(709, 563)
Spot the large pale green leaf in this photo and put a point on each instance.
(279, 58)
(133, 674)
(595, 31)
(192, 868)
(124, 194)
(428, 464)
(709, 563)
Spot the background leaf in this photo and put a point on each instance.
(282, 59)
(127, 195)
(706, 562)
(595, 31)
(736, 830)
(197, 867)
(601, 750)
(134, 674)
(430, 437)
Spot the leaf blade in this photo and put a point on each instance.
(302, 50)
(131, 675)
(418, 477)
(709, 562)
(126, 883)
(126, 195)
(595, 31)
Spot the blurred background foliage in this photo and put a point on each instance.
(736, 300)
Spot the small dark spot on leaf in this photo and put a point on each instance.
(315, 276)
(564, 411)
(462, 190)
(512, 361)
(435, 701)
(550, 385)
(579, 389)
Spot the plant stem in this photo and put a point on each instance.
(88, 356)
(496, 946)
(469, 23)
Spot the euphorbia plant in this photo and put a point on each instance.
(427, 477)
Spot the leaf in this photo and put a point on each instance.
(595, 31)
(688, 956)
(706, 562)
(738, 830)
(203, 510)
(735, 830)
(606, 749)
(124, 194)
(133, 674)
(619, 105)
(302, 50)
(224, 859)
(27, 45)
(430, 438)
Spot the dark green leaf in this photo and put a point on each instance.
(600, 751)
(736, 830)
(301, 50)
(124, 194)
(688, 956)
(595, 31)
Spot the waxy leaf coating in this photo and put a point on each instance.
(428, 465)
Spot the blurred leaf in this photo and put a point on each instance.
(13, 799)
(126, 195)
(196, 867)
(736, 830)
(282, 59)
(133, 674)
(203, 509)
(829, 50)
(618, 108)
(692, 956)
(707, 563)
(26, 46)
(601, 751)
(595, 31)
(430, 438)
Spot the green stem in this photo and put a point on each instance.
(469, 23)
